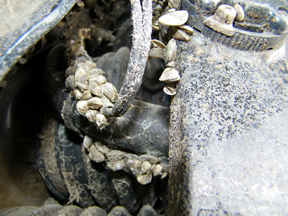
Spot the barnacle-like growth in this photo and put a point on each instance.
(222, 20)
(88, 85)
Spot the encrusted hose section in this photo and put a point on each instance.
(142, 130)
(123, 160)
(142, 30)
(123, 157)
(88, 84)
(94, 174)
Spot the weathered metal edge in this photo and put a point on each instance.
(35, 33)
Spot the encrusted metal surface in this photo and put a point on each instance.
(227, 132)
(263, 27)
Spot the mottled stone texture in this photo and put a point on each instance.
(227, 132)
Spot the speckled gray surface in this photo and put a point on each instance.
(228, 132)
(246, 175)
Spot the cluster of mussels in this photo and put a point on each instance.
(142, 167)
(89, 88)
(169, 20)
(92, 93)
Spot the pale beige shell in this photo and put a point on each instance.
(164, 175)
(240, 12)
(96, 71)
(186, 28)
(222, 20)
(70, 82)
(170, 51)
(158, 44)
(110, 91)
(86, 95)
(82, 107)
(116, 165)
(134, 164)
(94, 103)
(170, 10)
(96, 155)
(101, 147)
(181, 35)
(87, 142)
(146, 166)
(171, 64)
(101, 79)
(82, 86)
(151, 159)
(174, 18)
(144, 179)
(85, 66)
(226, 12)
(156, 169)
(170, 75)
(76, 94)
(95, 88)
(101, 120)
(106, 102)
(81, 76)
(90, 64)
(91, 115)
(170, 89)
